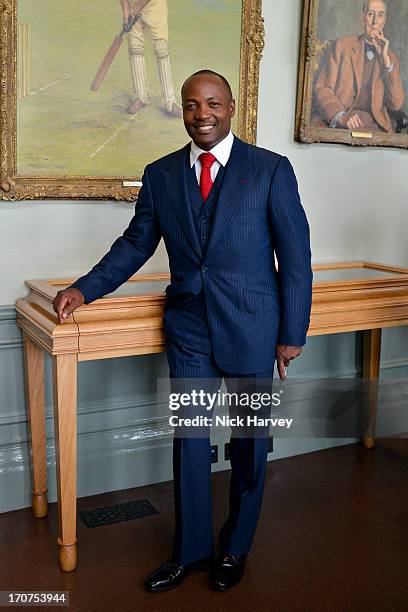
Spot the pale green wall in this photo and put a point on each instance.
(356, 203)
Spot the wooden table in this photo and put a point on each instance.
(356, 296)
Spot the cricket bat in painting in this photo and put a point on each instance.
(112, 51)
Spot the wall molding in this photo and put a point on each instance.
(117, 407)
(8, 316)
(113, 444)
(12, 343)
(15, 458)
(7, 313)
(111, 432)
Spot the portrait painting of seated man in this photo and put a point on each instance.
(358, 84)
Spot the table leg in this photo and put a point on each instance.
(34, 358)
(371, 370)
(64, 369)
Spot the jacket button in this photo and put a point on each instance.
(204, 269)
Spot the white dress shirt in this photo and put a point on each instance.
(221, 152)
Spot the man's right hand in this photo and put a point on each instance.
(352, 122)
(66, 301)
(126, 9)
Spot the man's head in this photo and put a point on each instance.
(374, 16)
(208, 107)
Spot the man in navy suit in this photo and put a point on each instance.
(224, 209)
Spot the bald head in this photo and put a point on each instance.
(210, 74)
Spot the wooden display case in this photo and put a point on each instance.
(351, 296)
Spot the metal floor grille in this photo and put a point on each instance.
(138, 508)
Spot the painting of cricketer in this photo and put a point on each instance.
(154, 22)
(66, 127)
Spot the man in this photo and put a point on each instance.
(359, 81)
(154, 21)
(224, 208)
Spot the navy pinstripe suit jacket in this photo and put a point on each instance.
(250, 305)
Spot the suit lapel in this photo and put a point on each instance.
(234, 185)
(176, 186)
(193, 190)
(358, 62)
(376, 78)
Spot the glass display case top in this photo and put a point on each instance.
(350, 274)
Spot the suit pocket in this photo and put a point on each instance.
(259, 301)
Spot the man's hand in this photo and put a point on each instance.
(130, 8)
(352, 122)
(126, 10)
(382, 46)
(284, 355)
(66, 301)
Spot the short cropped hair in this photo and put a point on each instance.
(207, 71)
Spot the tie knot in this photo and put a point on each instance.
(207, 159)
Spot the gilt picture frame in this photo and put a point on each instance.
(343, 74)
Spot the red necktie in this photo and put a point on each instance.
(206, 182)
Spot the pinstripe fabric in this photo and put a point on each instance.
(192, 366)
(251, 306)
(203, 212)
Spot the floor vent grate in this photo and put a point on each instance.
(138, 508)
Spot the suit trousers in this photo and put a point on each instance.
(190, 361)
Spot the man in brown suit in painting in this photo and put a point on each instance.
(359, 81)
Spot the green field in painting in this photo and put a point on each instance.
(64, 128)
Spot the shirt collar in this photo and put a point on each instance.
(221, 151)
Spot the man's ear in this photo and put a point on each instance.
(232, 107)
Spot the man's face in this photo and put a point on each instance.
(374, 18)
(207, 110)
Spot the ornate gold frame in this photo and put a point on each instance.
(15, 187)
(310, 48)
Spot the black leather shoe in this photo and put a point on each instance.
(172, 573)
(228, 571)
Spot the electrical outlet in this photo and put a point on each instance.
(227, 451)
(227, 448)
